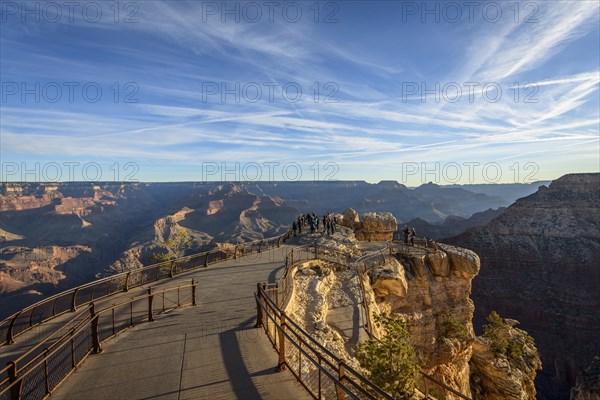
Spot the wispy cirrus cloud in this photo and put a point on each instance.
(171, 53)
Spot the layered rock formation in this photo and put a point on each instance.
(499, 377)
(541, 265)
(23, 266)
(430, 290)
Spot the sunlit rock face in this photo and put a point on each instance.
(540, 264)
(428, 289)
(499, 378)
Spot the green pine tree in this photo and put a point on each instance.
(390, 362)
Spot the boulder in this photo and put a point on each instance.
(389, 279)
(379, 222)
(377, 226)
(350, 219)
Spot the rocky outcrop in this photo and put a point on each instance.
(497, 376)
(431, 294)
(430, 290)
(540, 265)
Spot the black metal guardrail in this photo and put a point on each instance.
(320, 372)
(36, 377)
(71, 300)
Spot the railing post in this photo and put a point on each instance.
(72, 348)
(338, 388)
(127, 282)
(15, 391)
(9, 335)
(281, 363)
(150, 301)
(47, 384)
(94, 325)
(259, 313)
(31, 317)
(193, 292)
(54, 307)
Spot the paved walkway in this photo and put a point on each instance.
(211, 351)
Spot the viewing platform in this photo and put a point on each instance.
(188, 330)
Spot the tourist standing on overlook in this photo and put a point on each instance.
(411, 236)
(406, 232)
(294, 227)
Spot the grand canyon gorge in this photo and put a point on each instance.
(538, 243)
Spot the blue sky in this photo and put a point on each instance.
(406, 90)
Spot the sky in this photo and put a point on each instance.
(447, 92)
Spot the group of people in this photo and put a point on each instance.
(409, 236)
(329, 223)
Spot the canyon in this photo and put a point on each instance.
(540, 264)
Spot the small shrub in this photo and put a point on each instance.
(494, 331)
(454, 329)
(175, 247)
(390, 362)
(513, 351)
(497, 331)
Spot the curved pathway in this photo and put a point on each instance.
(211, 351)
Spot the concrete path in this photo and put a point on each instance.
(211, 351)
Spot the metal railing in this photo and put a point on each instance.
(319, 371)
(36, 377)
(71, 300)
